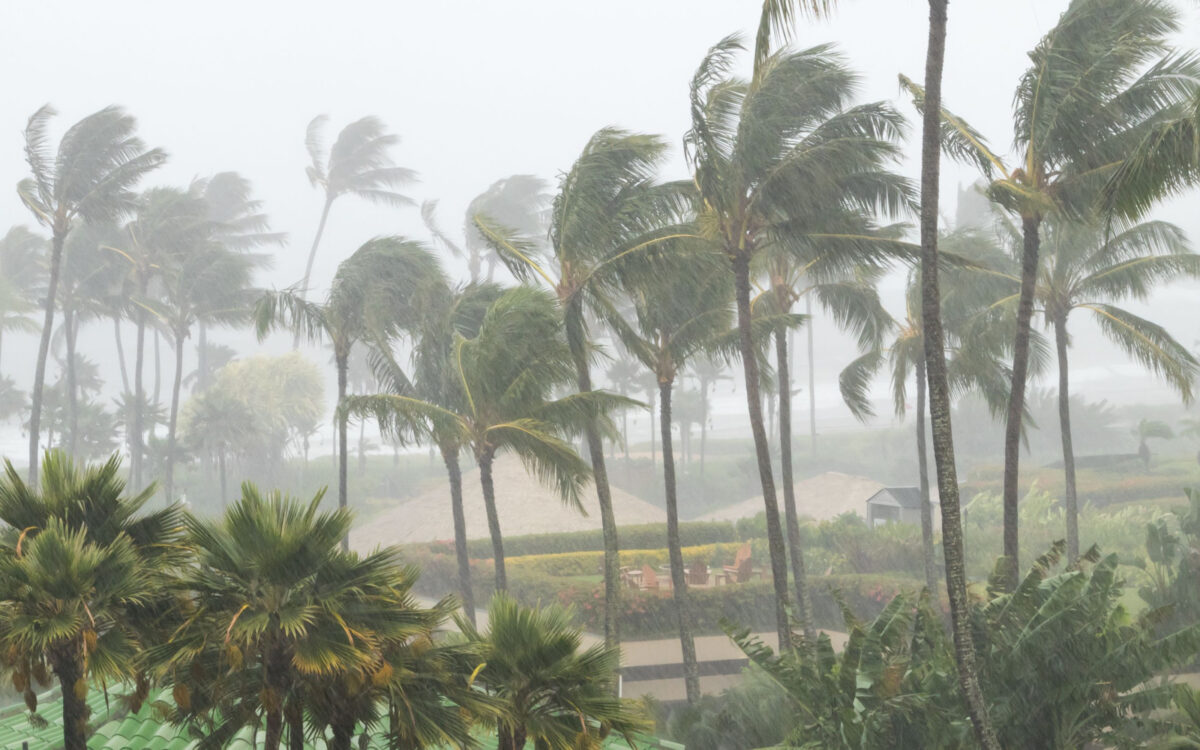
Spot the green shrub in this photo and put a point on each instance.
(649, 536)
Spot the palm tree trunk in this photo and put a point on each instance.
(121, 355)
(775, 542)
(653, 395)
(1064, 423)
(70, 328)
(39, 373)
(703, 424)
(576, 340)
(157, 374)
(135, 443)
(939, 391)
(201, 358)
(169, 483)
(312, 256)
(294, 716)
(221, 471)
(484, 458)
(362, 443)
(454, 472)
(343, 366)
(343, 735)
(67, 668)
(683, 607)
(812, 379)
(791, 515)
(931, 576)
(1016, 397)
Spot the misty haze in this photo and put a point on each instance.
(712, 375)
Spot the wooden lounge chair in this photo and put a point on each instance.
(733, 572)
(697, 574)
(649, 579)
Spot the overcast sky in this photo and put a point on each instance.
(477, 90)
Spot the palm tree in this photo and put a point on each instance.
(608, 220)
(459, 314)
(1166, 162)
(677, 316)
(518, 202)
(1145, 430)
(90, 178)
(275, 610)
(549, 691)
(1090, 268)
(939, 387)
(783, 161)
(385, 284)
(82, 571)
(1099, 81)
(22, 273)
(507, 374)
(218, 424)
(358, 164)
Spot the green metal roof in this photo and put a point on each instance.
(118, 730)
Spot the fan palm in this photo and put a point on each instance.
(357, 164)
(1091, 269)
(507, 374)
(384, 285)
(549, 691)
(677, 316)
(782, 160)
(82, 570)
(608, 220)
(275, 610)
(90, 178)
(1098, 82)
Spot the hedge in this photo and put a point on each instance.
(651, 614)
(649, 536)
(591, 563)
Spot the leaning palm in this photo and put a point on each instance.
(382, 287)
(550, 690)
(608, 222)
(507, 374)
(357, 164)
(82, 575)
(676, 317)
(1098, 82)
(90, 178)
(784, 161)
(1092, 269)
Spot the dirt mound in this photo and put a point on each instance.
(821, 497)
(525, 506)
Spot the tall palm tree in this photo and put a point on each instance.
(1098, 82)
(82, 575)
(507, 374)
(458, 314)
(782, 160)
(608, 220)
(677, 316)
(550, 690)
(359, 164)
(1091, 268)
(939, 387)
(383, 286)
(23, 270)
(91, 178)
(275, 610)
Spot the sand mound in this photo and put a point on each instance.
(821, 497)
(524, 505)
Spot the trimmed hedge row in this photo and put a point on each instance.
(591, 563)
(651, 614)
(649, 536)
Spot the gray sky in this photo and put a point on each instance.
(478, 90)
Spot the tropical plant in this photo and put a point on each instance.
(383, 286)
(357, 164)
(1166, 162)
(90, 178)
(276, 611)
(677, 316)
(549, 691)
(782, 161)
(82, 573)
(1098, 82)
(507, 374)
(608, 222)
(1150, 429)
